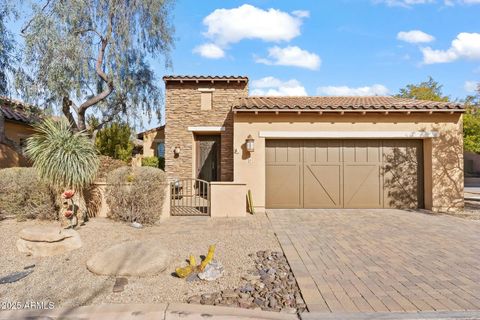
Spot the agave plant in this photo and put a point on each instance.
(63, 158)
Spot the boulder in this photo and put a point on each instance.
(46, 233)
(31, 242)
(134, 258)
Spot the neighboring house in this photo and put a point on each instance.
(314, 152)
(17, 126)
(153, 142)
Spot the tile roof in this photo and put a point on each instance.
(374, 103)
(204, 78)
(15, 110)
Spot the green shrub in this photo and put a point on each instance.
(150, 162)
(136, 194)
(24, 195)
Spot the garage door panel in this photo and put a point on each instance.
(284, 186)
(403, 174)
(322, 186)
(362, 186)
(344, 173)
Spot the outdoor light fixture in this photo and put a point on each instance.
(176, 150)
(249, 142)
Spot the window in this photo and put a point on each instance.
(161, 150)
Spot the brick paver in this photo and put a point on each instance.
(381, 260)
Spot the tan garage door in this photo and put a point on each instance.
(344, 174)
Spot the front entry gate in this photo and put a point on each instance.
(190, 197)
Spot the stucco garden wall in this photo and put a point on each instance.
(443, 155)
(183, 110)
(15, 132)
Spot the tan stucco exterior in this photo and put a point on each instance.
(16, 132)
(151, 139)
(228, 199)
(443, 155)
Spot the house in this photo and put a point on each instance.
(153, 142)
(15, 126)
(312, 152)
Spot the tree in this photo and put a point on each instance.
(114, 140)
(93, 55)
(471, 123)
(7, 48)
(427, 90)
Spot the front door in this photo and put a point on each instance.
(208, 157)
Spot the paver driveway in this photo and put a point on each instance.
(381, 260)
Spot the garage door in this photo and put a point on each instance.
(344, 174)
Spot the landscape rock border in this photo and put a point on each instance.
(271, 287)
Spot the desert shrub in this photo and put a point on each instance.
(108, 164)
(63, 158)
(24, 195)
(136, 194)
(150, 162)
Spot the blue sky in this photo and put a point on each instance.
(330, 47)
(327, 47)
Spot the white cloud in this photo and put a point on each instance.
(291, 56)
(471, 86)
(403, 3)
(226, 26)
(374, 90)
(210, 50)
(465, 45)
(414, 36)
(271, 86)
(301, 13)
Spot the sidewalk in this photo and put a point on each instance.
(172, 311)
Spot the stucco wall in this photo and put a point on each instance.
(443, 156)
(150, 141)
(183, 109)
(16, 132)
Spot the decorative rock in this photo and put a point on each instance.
(213, 271)
(135, 258)
(14, 277)
(120, 284)
(56, 242)
(46, 234)
(136, 225)
(272, 287)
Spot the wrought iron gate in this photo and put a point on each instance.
(190, 197)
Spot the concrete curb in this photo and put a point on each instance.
(163, 311)
(439, 315)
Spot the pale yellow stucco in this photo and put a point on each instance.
(151, 139)
(443, 155)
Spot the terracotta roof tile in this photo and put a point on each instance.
(374, 103)
(204, 78)
(15, 110)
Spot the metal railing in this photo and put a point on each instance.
(190, 197)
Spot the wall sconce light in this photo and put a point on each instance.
(176, 150)
(250, 143)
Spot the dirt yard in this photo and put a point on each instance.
(65, 280)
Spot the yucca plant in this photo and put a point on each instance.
(63, 158)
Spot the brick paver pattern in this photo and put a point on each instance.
(381, 260)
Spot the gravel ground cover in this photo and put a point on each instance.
(271, 286)
(65, 280)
